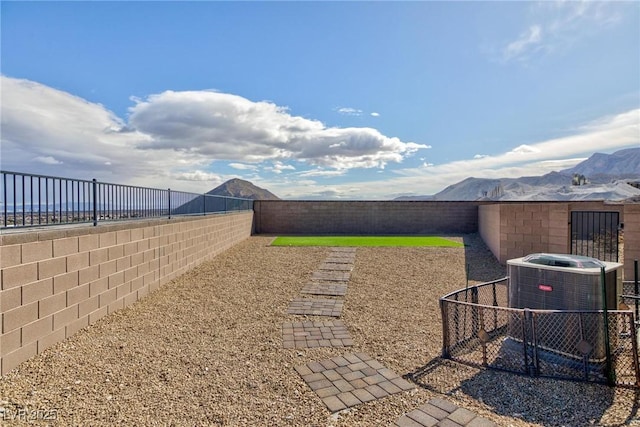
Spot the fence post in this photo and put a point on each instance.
(475, 320)
(445, 329)
(4, 201)
(525, 317)
(634, 347)
(169, 197)
(636, 288)
(95, 202)
(611, 375)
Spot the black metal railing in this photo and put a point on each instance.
(631, 293)
(480, 330)
(30, 200)
(596, 234)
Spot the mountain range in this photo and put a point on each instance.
(612, 177)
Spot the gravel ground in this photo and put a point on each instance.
(206, 349)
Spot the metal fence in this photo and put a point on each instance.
(596, 234)
(630, 298)
(30, 200)
(480, 330)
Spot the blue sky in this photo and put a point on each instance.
(345, 100)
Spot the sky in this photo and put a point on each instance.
(315, 100)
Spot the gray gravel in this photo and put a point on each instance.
(206, 349)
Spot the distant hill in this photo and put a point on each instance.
(233, 188)
(244, 189)
(606, 177)
(620, 163)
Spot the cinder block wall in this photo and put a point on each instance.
(526, 228)
(631, 238)
(532, 227)
(365, 217)
(57, 281)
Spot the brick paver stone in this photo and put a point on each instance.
(316, 307)
(481, 422)
(462, 416)
(331, 276)
(340, 260)
(448, 423)
(326, 392)
(354, 378)
(334, 404)
(422, 418)
(445, 405)
(434, 411)
(334, 266)
(316, 334)
(405, 421)
(325, 288)
(442, 413)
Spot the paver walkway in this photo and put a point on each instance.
(339, 260)
(353, 379)
(336, 266)
(333, 276)
(315, 334)
(319, 288)
(350, 380)
(316, 307)
(442, 413)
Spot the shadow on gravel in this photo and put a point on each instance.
(541, 401)
(482, 265)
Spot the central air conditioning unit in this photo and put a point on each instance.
(568, 283)
(562, 282)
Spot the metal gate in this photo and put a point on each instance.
(595, 234)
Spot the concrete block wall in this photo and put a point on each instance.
(58, 281)
(365, 217)
(531, 227)
(631, 238)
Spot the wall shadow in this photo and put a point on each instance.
(539, 401)
(483, 266)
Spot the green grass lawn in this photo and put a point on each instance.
(364, 241)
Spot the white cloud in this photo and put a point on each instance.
(479, 156)
(525, 43)
(374, 114)
(228, 127)
(168, 135)
(47, 160)
(557, 25)
(198, 175)
(243, 166)
(348, 111)
(278, 167)
(322, 172)
(524, 149)
(55, 128)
